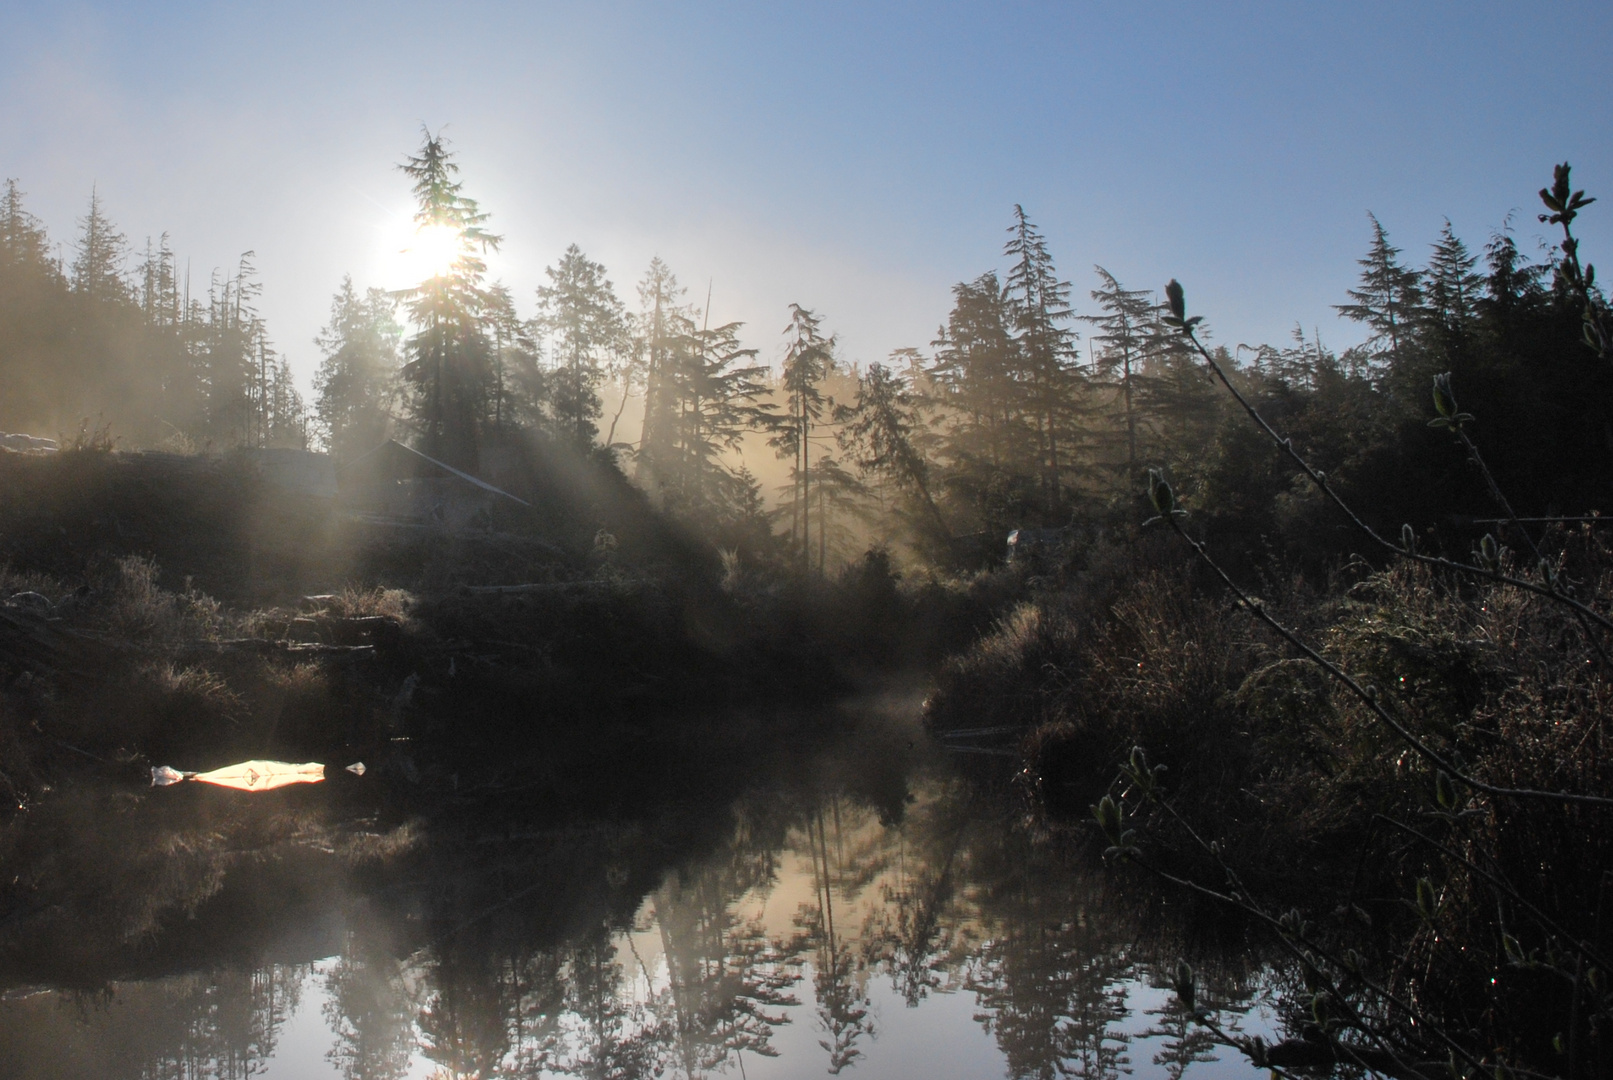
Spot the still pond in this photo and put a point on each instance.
(874, 909)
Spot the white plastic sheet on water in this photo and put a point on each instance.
(252, 775)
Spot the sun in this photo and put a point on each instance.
(434, 249)
(415, 254)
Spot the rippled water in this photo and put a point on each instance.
(885, 919)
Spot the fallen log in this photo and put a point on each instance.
(270, 647)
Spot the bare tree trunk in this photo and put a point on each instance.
(823, 532)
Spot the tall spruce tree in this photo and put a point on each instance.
(1389, 296)
(38, 352)
(282, 413)
(587, 330)
(1511, 281)
(518, 384)
(975, 375)
(449, 364)
(23, 243)
(1452, 287)
(159, 285)
(662, 327)
(717, 390)
(99, 257)
(1121, 339)
(878, 433)
(1039, 311)
(808, 357)
(231, 361)
(357, 382)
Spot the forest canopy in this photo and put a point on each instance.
(1037, 403)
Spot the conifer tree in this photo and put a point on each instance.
(1120, 345)
(23, 243)
(1510, 281)
(449, 365)
(807, 359)
(1452, 287)
(716, 389)
(357, 382)
(283, 416)
(662, 324)
(37, 351)
(518, 384)
(159, 285)
(1389, 296)
(587, 330)
(99, 257)
(1039, 307)
(231, 360)
(974, 375)
(878, 433)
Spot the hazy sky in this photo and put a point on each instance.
(855, 158)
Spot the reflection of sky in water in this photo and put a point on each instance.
(939, 1038)
(1013, 949)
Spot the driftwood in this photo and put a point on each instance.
(319, 628)
(271, 647)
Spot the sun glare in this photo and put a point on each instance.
(414, 255)
(433, 251)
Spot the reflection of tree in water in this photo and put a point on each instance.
(726, 980)
(838, 975)
(1224, 990)
(1047, 981)
(605, 1037)
(228, 1023)
(1185, 1042)
(463, 1027)
(537, 978)
(536, 999)
(918, 931)
(370, 1009)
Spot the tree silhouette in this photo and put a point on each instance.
(1388, 297)
(1038, 306)
(807, 358)
(587, 330)
(357, 382)
(449, 366)
(371, 1011)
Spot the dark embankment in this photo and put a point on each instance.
(531, 641)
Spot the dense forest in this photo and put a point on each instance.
(1033, 406)
(1339, 620)
(1008, 418)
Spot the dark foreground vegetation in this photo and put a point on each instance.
(491, 653)
(1339, 622)
(1384, 744)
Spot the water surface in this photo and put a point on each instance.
(869, 912)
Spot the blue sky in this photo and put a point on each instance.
(855, 158)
